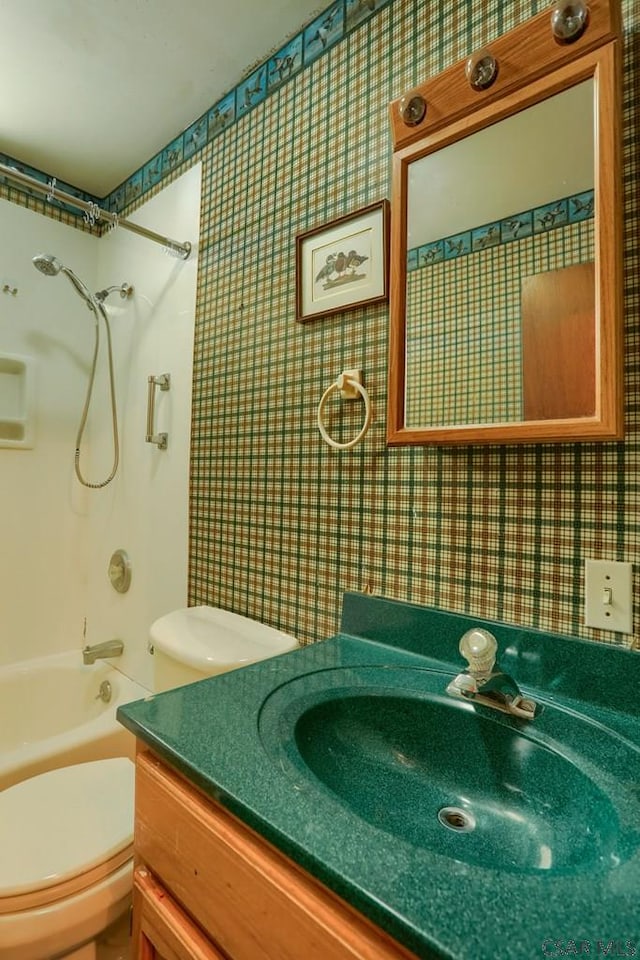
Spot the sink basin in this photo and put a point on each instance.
(463, 782)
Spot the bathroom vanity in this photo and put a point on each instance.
(199, 863)
(338, 802)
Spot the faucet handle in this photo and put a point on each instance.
(479, 648)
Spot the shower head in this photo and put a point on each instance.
(49, 265)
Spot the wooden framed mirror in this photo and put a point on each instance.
(506, 244)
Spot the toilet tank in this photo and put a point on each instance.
(198, 642)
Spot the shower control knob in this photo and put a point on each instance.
(120, 571)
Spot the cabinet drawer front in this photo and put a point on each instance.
(252, 900)
(162, 931)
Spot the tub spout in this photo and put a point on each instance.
(110, 648)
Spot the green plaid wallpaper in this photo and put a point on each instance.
(39, 205)
(281, 524)
(460, 378)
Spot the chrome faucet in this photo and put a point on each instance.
(484, 684)
(110, 648)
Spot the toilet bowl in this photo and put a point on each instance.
(66, 842)
(66, 837)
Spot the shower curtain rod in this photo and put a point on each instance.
(181, 250)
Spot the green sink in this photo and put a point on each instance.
(461, 781)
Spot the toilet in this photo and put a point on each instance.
(65, 875)
(198, 642)
(66, 870)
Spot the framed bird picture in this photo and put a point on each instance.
(343, 264)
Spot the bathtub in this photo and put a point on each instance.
(51, 715)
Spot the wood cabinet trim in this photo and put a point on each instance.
(524, 54)
(161, 929)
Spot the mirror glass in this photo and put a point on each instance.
(500, 322)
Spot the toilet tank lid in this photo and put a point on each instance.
(60, 824)
(206, 637)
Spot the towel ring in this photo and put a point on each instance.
(349, 384)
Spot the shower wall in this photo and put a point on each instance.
(57, 537)
(43, 512)
(145, 509)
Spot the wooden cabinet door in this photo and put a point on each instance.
(161, 930)
(558, 313)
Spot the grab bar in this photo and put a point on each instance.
(164, 382)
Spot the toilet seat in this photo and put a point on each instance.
(51, 894)
(59, 928)
(64, 831)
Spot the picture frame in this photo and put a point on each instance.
(343, 264)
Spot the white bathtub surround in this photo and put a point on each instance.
(44, 541)
(145, 510)
(57, 536)
(51, 715)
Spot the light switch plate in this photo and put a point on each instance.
(608, 595)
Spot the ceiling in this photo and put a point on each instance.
(92, 89)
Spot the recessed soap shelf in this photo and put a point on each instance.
(17, 401)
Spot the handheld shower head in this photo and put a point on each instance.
(49, 265)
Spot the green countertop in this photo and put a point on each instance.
(223, 734)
